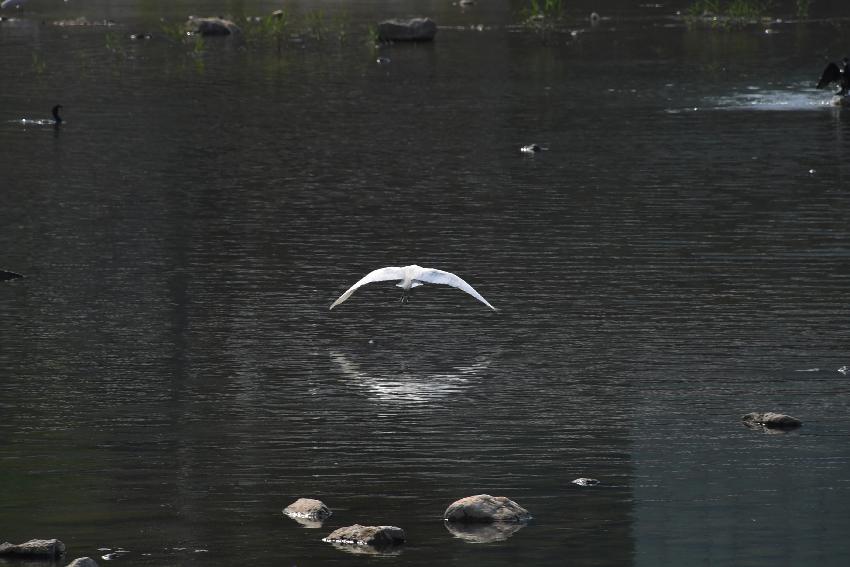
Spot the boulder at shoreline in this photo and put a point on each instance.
(484, 508)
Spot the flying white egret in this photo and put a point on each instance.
(413, 276)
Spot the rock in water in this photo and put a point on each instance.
(376, 536)
(585, 481)
(82, 562)
(771, 419)
(415, 29)
(308, 509)
(484, 508)
(34, 548)
(212, 26)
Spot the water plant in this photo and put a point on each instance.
(545, 9)
(542, 15)
(314, 24)
(340, 22)
(175, 32)
(39, 65)
(732, 12)
(113, 44)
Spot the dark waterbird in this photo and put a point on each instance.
(4, 275)
(835, 74)
(55, 111)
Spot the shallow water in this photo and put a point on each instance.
(172, 377)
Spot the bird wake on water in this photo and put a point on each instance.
(56, 121)
(413, 276)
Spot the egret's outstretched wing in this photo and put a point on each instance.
(379, 275)
(431, 275)
(831, 74)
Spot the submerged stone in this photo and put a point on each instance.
(212, 26)
(33, 548)
(376, 536)
(414, 29)
(483, 508)
(771, 419)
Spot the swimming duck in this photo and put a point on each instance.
(532, 149)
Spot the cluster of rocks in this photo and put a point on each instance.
(479, 518)
(46, 549)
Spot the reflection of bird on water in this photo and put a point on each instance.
(412, 387)
(835, 74)
(413, 276)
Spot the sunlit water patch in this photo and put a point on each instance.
(794, 97)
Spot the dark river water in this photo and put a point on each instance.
(170, 374)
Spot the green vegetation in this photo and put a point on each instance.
(282, 27)
(545, 9)
(39, 65)
(731, 11)
(542, 16)
(803, 8)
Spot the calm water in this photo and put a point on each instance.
(172, 377)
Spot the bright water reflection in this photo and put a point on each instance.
(414, 381)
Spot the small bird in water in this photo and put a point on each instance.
(532, 149)
(413, 276)
(835, 74)
(4, 275)
(57, 120)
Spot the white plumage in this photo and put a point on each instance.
(412, 276)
